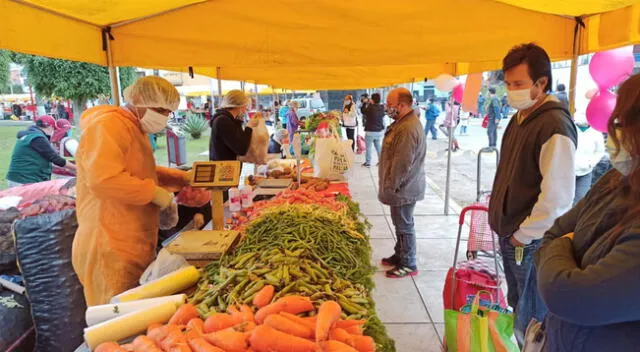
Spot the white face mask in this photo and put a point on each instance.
(153, 122)
(520, 98)
(623, 161)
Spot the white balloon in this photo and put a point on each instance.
(445, 82)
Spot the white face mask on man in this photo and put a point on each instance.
(521, 98)
(153, 121)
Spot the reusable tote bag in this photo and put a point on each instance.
(333, 157)
(480, 330)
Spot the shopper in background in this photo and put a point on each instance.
(276, 112)
(505, 106)
(229, 139)
(464, 123)
(350, 119)
(451, 118)
(432, 114)
(402, 179)
(481, 105)
(562, 95)
(120, 190)
(33, 154)
(293, 122)
(535, 178)
(373, 121)
(277, 140)
(589, 263)
(284, 109)
(494, 110)
(588, 153)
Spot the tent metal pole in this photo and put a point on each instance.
(447, 189)
(577, 38)
(113, 72)
(219, 78)
(255, 85)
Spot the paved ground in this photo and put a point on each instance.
(463, 162)
(411, 308)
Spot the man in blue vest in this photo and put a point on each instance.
(33, 154)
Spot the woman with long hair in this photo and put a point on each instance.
(589, 263)
(350, 119)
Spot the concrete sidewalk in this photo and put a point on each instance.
(411, 308)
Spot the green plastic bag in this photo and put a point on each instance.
(481, 330)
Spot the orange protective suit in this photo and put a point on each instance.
(118, 226)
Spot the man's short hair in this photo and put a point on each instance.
(536, 59)
(365, 95)
(492, 90)
(431, 100)
(404, 96)
(561, 87)
(376, 98)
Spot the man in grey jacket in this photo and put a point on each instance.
(402, 178)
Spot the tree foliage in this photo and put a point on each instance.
(5, 60)
(77, 81)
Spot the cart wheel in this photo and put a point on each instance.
(472, 255)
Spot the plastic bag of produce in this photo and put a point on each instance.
(48, 204)
(259, 145)
(16, 326)
(164, 264)
(7, 247)
(169, 216)
(333, 157)
(193, 197)
(43, 246)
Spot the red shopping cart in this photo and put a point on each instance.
(481, 238)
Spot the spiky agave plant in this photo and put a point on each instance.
(194, 125)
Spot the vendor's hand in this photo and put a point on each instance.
(70, 167)
(198, 221)
(162, 198)
(569, 236)
(253, 123)
(188, 176)
(514, 242)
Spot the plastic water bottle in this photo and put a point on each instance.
(235, 199)
(246, 194)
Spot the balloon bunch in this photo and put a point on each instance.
(447, 83)
(608, 69)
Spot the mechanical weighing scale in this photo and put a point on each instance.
(205, 245)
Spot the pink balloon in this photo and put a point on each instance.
(457, 93)
(609, 68)
(600, 109)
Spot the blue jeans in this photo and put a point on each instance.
(431, 127)
(405, 249)
(372, 139)
(492, 132)
(522, 292)
(463, 129)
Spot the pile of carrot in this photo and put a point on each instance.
(274, 327)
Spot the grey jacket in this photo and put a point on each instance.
(401, 173)
(591, 285)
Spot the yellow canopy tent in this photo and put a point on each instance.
(330, 44)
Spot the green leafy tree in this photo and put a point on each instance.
(76, 81)
(5, 60)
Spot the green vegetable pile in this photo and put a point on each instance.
(329, 237)
(290, 273)
(300, 249)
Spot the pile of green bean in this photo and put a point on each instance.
(289, 272)
(328, 237)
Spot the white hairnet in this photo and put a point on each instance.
(152, 92)
(234, 99)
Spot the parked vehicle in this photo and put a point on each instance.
(309, 106)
